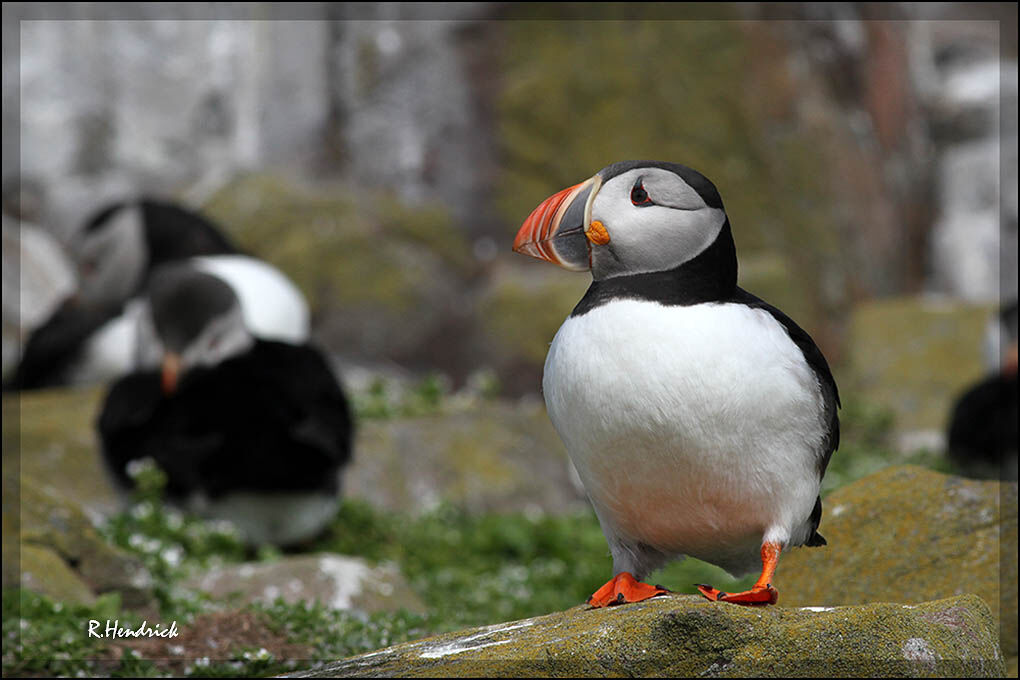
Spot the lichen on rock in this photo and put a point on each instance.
(684, 635)
(907, 534)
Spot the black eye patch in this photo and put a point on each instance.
(638, 195)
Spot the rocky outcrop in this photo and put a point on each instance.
(496, 457)
(910, 535)
(686, 636)
(335, 581)
(52, 443)
(51, 547)
(912, 354)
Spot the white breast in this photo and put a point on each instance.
(696, 430)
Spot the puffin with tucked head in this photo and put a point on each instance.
(250, 430)
(699, 417)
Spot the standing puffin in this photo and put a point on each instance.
(699, 417)
(253, 431)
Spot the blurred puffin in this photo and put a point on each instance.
(699, 417)
(983, 425)
(92, 336)
(252, 431)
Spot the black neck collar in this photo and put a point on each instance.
(709, 277)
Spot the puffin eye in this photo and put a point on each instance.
(638, 195)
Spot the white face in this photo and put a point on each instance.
(112, 259)
(222, 338)
(674, 227)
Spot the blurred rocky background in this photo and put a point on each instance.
(383, 156)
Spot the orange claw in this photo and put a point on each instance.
(623, 588)
(761, 593)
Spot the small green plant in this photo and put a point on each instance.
(170, 543)
(383, 400)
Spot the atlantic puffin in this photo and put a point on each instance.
(91, 337)
(699, 417)
(252, 431)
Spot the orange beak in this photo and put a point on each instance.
(171, 369)
(555, 230)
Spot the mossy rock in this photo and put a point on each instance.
(496, 457)
(687, 636)
(44, 571)
(59, 527)
(907, 534)
(53, 442)
(915, 355)
(523, 306)
(382, 276)
(54, 491)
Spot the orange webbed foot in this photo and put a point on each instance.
(624, 588)
(761, 593)
(755, 597)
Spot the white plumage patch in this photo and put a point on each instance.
(273, 307)
(696, 430)
(271, 518)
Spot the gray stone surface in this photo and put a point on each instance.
(335, 581)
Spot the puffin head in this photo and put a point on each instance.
(632, 217)
(195, 320)
(111, 255)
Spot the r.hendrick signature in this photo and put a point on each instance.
(114, 630)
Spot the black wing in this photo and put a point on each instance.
(284, 422)
(52, 348)
(830, 393)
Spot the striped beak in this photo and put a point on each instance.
(555, 230)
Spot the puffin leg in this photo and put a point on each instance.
(762, 592)
(623, 588)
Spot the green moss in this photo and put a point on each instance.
(910, 535)
(364, 249)
(914, 356)
(525, 306)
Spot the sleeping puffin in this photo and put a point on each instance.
(253, 431)
(699, 417)
(92, 336)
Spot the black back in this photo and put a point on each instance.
(983, 426)
(173, 233)
(271, 420)
(52, 348)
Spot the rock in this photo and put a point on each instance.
(523, 305)
(57, 447)
(43, 571)
(51, 547)
(914, 355)
(333, 580)
(907, 534)
(687, 636)
(388, 282)
(496, 457)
